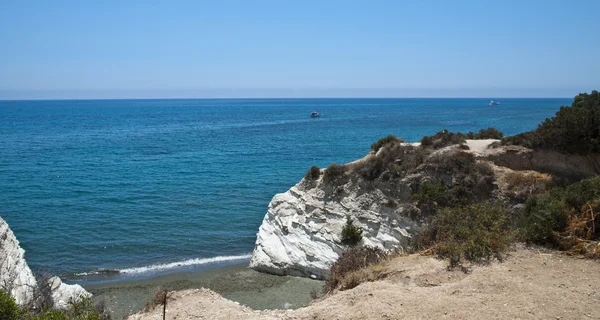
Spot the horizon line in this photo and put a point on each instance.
(274, 98)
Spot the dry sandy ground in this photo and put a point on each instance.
(529, 285)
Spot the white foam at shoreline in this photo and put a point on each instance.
(191, 262)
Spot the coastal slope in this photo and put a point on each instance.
(530, 284)
(301, 232)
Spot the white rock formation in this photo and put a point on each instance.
(62, 293)
(17, 279)
(15, 276)
(300, 234)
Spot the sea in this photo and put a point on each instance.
(105, 190)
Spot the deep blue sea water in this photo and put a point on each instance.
(145, 185)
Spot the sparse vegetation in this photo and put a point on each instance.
(313, 173)
(397, 160)
(383, 141)
(352, 268)
(443, 139)
(489, 133)
(477, 233)
(351, 234)
(84, 309)
(334, 174)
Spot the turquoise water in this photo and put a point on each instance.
(147, 186)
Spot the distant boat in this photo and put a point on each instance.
(494, 102)
(315, 114)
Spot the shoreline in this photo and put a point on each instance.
(235, 282)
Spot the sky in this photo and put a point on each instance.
(195, 49)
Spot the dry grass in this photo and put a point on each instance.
(583, 231)
(522, 184)
(158, 299)
(355, 266)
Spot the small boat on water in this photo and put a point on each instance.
(315, 114)
(494, 103)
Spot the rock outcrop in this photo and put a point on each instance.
(17, 279)
(15, 276)
(300, 234)
(62, 293)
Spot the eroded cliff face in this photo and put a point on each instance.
(300, 234)
(15, 276)
(17, 279)
(573, 167)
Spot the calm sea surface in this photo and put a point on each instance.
(147, 186)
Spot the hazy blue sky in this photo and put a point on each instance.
(112, 49)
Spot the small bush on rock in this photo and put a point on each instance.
(442, 139)
(313, 173)
(334, 174)
(351, 234)
(383, 141)
(345, 272)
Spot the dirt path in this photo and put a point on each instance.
(528, 285)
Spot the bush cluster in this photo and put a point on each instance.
(489, 133)
(545, 218)
(397, 160)
(334, 174)
(443, 139)
(383, 141)
(344, 274)
(477, 233)
(313, 173)
(84, 309)
(573, 130)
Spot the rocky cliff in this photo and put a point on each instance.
(17, 279)
(300, 234)
(15, 276)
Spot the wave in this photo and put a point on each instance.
(166, 266)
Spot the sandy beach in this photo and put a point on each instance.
(235, 282)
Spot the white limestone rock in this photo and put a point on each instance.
(63, 293)
(300, 234)
(15, 276)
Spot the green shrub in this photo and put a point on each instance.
(442, 139)
(383, 141)
(334, 174)
(351, 261)
(426, 141)
(313, 173)
(432, 193)
(83, 309)
(351, 234)
(573, 129)
(544, 216)
(9, 310)
(489, 133)
(477, 233)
